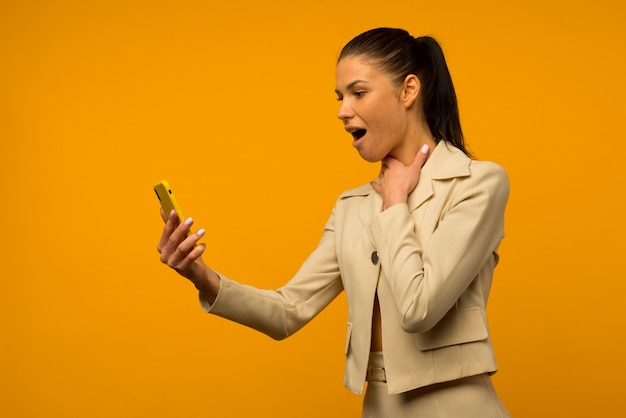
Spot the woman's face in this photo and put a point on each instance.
(372, 109)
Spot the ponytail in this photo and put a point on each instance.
(438, 96)
(399, 54)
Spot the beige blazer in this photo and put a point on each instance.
(431, 262)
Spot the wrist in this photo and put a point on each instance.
(394, 200)
(209, 285)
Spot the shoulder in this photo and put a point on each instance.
(487, 168)
(363, 190)
(486, 178)
(488, 171)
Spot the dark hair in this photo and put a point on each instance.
(397, 53)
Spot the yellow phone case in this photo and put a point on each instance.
(167, 199)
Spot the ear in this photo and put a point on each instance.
(410, 90)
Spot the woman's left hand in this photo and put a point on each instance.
(398, 180)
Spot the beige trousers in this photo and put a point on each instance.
(469, 397)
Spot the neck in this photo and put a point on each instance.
(418, 136)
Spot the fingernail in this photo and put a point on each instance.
(200, 232)
(172, 213)
(424, 149)
(188, 222)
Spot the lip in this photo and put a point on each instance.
(351, 130)
(357, 142)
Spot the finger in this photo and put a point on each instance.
(377, 187)
(388, 161)
(174, 232)
(385, 164)
(180, 257)
(170, 226)
(186, 263)
(421, 156)
(179, 234)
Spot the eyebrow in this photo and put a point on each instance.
(349, 86)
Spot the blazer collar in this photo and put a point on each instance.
(445, 162)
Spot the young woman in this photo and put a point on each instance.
(414, 250)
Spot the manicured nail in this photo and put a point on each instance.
(424, 149)
(200, 232)
(172, 213)
(188, 222)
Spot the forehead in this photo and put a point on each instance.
(353, 68)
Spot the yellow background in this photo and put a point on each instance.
(233, 103)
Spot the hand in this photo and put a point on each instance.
(398, 180)
(181, 253)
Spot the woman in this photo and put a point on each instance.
(414, 250)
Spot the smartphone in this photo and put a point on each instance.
(167, 199)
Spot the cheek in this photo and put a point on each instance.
(380, 117)
(388, 123)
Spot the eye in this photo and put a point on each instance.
(359, 93)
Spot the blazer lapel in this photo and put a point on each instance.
(371, 206)
(424, 189)
(445, 162)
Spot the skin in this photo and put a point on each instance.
(397, 135)
(183, 254)
(397, 132)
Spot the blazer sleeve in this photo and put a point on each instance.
(426, 280)
(280, 313)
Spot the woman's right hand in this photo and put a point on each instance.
(183, 254)
(397, 181)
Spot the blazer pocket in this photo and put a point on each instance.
(348, 336)
(456, 327)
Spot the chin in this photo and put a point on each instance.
(371, 157)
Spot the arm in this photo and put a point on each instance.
(278, 313)
(427, 280)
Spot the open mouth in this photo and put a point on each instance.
(358, 134)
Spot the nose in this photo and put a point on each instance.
(344, 113)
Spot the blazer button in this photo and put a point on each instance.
(374, 257)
